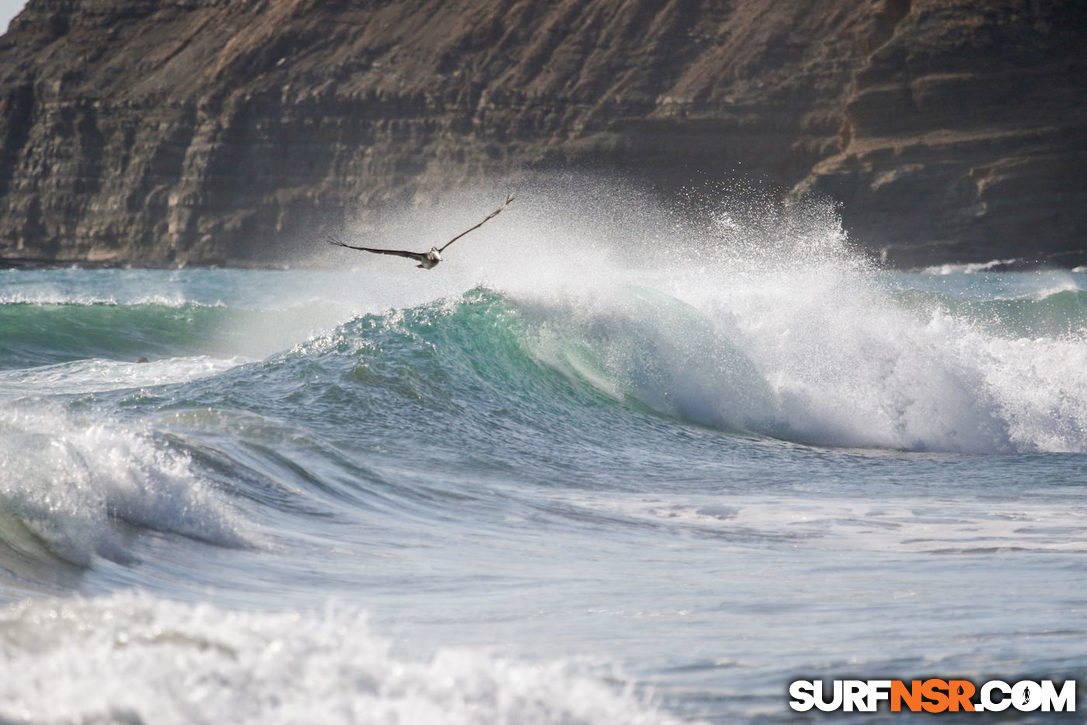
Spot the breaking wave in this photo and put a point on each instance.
(133, 658)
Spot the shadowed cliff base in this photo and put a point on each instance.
(205, 132)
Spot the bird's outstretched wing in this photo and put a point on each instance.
(417, 256)
(492, 215)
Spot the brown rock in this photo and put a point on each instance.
(966, 136)
(230, 132)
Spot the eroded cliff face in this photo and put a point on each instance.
(205, 131)
(965, 135)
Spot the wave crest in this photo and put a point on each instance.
(69, 488)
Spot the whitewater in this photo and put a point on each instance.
(611, 462)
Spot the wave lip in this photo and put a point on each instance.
(79, 486)
(132, 658)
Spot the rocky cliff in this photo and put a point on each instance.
(226, 131)
(965, 136)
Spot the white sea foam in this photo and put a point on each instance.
(1059, 287)
(98, 375)
(133, 658)
(65, 297)
(969, 268)
(71, 481)
(848, 366)
(914, 525)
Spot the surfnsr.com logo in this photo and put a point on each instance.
(933, 695)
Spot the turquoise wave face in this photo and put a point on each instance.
(40, 334)
(425, 384)
(33, 334)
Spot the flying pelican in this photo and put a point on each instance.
(426, 260)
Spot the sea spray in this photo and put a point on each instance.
(766, 318)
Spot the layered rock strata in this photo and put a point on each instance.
(227, 131)
(965, 136)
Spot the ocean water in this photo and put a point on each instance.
(628, 466)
